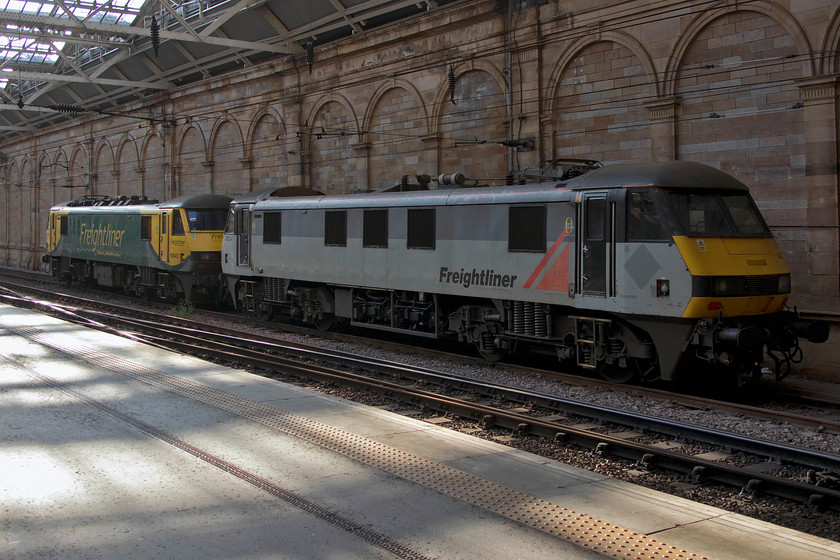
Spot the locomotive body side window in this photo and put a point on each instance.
(375, 229)
(145, 227)
(335, 228)
(62, 224)
(644, 223)
(421, 229)
(526, 229)
(271, 228)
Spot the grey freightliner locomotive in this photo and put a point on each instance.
(627, 270)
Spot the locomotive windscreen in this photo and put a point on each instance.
(716, 213)
(207, 220)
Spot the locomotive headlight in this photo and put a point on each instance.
(784, 284)
(728, 286)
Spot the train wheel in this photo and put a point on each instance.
(617, 374)
(264, 311)
(325, 322)
(493, 356)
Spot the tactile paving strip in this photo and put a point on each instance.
(608, 539)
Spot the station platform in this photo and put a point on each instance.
(115, 449)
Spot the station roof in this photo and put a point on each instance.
(61, 57)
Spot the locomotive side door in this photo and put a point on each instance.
(595, 232)
(243, 235)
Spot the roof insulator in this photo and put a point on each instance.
(310, 54)
(155, 28)
(65, 108)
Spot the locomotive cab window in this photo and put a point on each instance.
(644, 222)
(335, 228)
(271, 228)
(526, 229)
(375, 229)
(421, 229)
(177, 223)
(206, 220)
(62, 224)
(716, 213)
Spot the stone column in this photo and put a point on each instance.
(821, 179)
(663, 128)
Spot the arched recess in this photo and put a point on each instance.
(598, 91)
(740, 111)
(78, 173)
(268, 151)
(46, 198)
(739, 105)
(26, 214)
(153, 165)
(103, 167)
(192, 175)
(396, 122)
(226, 156)
(800, 51)
(129, 180)
(61, 177)
(9, 173)
(334, 163)
(830, 63)
(471, 128)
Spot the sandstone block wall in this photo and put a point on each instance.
(749, 87)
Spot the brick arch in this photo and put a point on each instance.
(740, 111)
(702, 21)
(332, 127)
(6, 171)
(596, 104)
(129, 180)
(104, 168)
(569, 54)
(77, 169)
(395, 123)
(152, 162)
(26, 236)
(192, 156)
(267, 150)
(830, 61)
(478, 115)
(227, 149)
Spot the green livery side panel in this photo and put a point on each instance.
(109, 237)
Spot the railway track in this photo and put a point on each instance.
(779, 393)
(692, 452)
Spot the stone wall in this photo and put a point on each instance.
(749, 87)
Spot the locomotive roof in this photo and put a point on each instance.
(689, 174)
(200, 201)
(677, 174)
